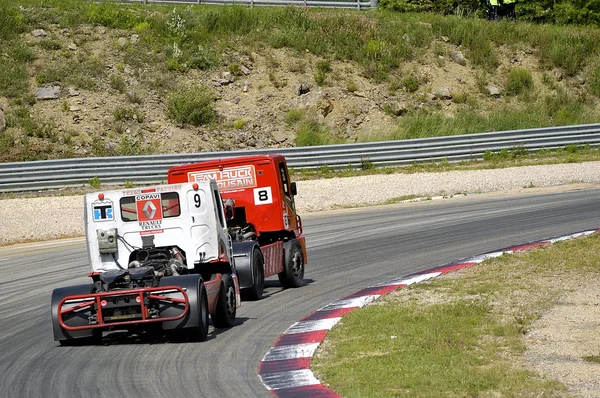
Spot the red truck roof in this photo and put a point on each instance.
(259, 184)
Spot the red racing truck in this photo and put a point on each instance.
(262, 221)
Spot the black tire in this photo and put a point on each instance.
(293, 268)
(225, 310)
(200, 332)
(255, 292)
(94, 339)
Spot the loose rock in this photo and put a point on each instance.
(493, 91)
(443, 93)
(39, 33)
(303, 88)
(458, 57)
(396, 108)
(47, 93)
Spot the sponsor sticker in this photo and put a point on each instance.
(263, 196)
(102, 210)
(149, 212)
(228, 178)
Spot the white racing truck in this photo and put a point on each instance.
(161, 261)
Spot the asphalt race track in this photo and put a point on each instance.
(348, 250)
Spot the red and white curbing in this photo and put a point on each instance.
(285, 369)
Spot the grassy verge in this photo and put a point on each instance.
(178, 42)
(458, 335)
(491, 160)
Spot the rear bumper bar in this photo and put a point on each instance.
(94, 303)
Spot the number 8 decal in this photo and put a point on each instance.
(263, 196)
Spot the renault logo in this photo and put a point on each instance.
(149, 210)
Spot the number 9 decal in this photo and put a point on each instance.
(263, 196)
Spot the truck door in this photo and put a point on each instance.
(289, 207)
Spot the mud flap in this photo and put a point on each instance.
(190, 284)
(75, 318)
(242, 256)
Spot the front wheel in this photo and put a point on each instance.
(225, 310)
(293, 269)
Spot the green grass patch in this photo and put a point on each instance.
(193, 105)
(80, 71)
(558, 109)
(455, 336)
(519, 81)
(592, 358)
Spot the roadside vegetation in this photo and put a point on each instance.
(176, 45)
(514, 157)
(462, 334)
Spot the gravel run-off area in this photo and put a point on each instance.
(558, 339)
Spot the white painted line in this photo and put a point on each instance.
(3, 259)
(290, 379)
(411, 280)
(567, 237)
(296, 351)
(350, 303)
(312, 326)
(483, 257)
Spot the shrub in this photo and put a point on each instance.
(351, 86)
(193, 105)
(323, 66)
(235, 69)
(410, 83)
(320, 78)
(293, 116)
(11, 20)
(311, 133)
(122, 114)
(594, 79)
(13, 78)
(238, 124)
(94, 182)
(117, 83)
(519, 81)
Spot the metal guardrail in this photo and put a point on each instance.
(51, 174)
(359, 5)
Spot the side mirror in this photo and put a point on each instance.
(229, 208)
(294, 189)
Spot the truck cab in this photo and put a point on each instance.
(259, 202)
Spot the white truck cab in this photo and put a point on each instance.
(188, 219)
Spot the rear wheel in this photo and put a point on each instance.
(200, 332)
(94, 339)
(225, 310)
(293, 269)
(255, 292)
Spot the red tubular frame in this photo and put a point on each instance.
(95, 298)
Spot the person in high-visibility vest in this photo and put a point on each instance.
(509, 7)
(493, 10)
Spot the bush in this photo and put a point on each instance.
(410, 83)
(239, 124)
(11, 21)
(311, 133)
(118, 83)
(293, 116)
(94, 182)
(13, 78)
(193, 105)
(519, 81)
(595, 81)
